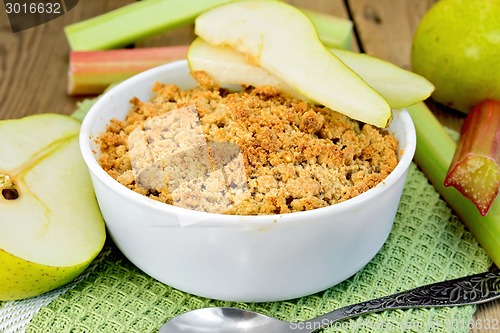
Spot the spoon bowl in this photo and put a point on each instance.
(225, 320)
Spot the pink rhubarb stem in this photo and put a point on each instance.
(475, 169)
(91, 72)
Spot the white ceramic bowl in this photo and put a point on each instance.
(240, 258)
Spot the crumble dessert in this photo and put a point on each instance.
(249, 152)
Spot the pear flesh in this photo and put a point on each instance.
(226, 66)
(399, 87)
(51, 229)
(282, 40)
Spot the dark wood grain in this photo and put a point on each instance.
(34, 62)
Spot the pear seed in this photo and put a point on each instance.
(10, 193)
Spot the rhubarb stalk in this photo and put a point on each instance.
(142, 19)
(133, 22)
(90, 72)
(475, 169)
(333, 31)
(434, 154)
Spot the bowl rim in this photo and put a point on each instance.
(85, 138)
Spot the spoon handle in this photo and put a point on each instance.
(473, 289)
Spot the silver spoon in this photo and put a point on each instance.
(473, 289)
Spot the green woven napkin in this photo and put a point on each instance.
(427, 244)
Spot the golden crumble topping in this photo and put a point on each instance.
(255, 151)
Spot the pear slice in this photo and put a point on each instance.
(50, 224)
(226, 66)
(282, 40)
(399, 87)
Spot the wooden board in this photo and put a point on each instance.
(33, 63)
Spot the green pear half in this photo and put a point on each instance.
(50, 224)
(282, 40)
(399, 87)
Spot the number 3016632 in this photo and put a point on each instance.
(33, 8)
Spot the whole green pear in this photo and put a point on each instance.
(457, 47)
